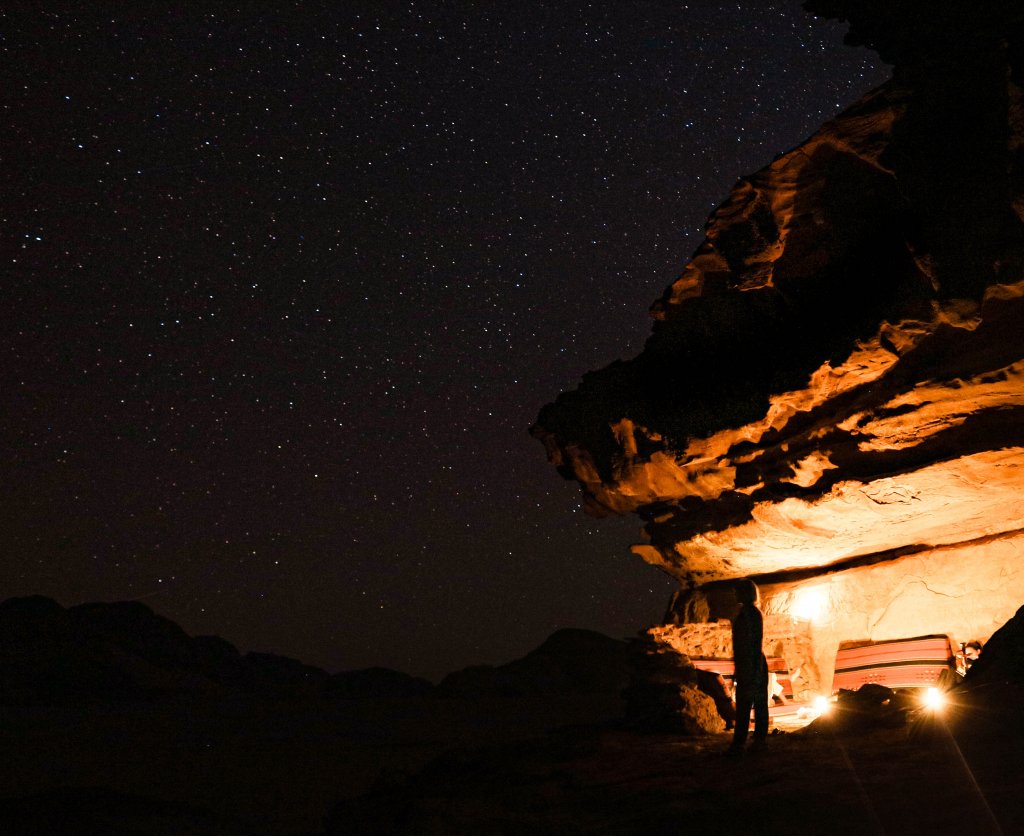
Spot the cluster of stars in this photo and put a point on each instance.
(288, 287)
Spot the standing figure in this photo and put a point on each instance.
(751, 669)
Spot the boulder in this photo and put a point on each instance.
(664, 693)
(869, 708)
(1002, 660)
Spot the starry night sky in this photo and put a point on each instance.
(284, 290)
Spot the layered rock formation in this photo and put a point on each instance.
(833, 392)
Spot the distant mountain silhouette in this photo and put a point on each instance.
(569, 661)
(124, 650)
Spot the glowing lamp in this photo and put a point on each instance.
(822, 705)
(808, 604)
(934, 699)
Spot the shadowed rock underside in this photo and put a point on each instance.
(837, 376)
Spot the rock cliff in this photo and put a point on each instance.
(836, 379)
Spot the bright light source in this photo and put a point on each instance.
(934, 699)
(822, 705)
(808, 604)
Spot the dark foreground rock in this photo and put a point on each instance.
(1002, 661)
(667, 693)
(96, 811)
(605, 781)
(869, 708)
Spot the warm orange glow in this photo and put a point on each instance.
(808, 604)
(934, 699)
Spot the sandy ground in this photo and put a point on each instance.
(612, 781)
(253, 766)
(496, 766)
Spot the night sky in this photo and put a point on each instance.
(283, 292)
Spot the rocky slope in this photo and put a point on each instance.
(837, 376)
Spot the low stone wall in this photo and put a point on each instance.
(783, 636)
(711, 640)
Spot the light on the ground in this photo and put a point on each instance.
(934, 699)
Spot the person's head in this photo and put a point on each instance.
(972, 649)
(746, 591)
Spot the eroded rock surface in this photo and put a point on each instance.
(836, 379)
(667, 693)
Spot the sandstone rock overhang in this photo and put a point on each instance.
(838, 373)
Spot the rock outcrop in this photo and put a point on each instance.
(836, 380)
(1002, 663)
(668, 694)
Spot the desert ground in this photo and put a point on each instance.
(564, 764)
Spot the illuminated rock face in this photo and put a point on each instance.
(833, 392)
(966, 592)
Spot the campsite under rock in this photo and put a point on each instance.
(528, 749)
(877, 763)
(830, 404)
(505, 765)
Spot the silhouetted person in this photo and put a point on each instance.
(751, 669)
